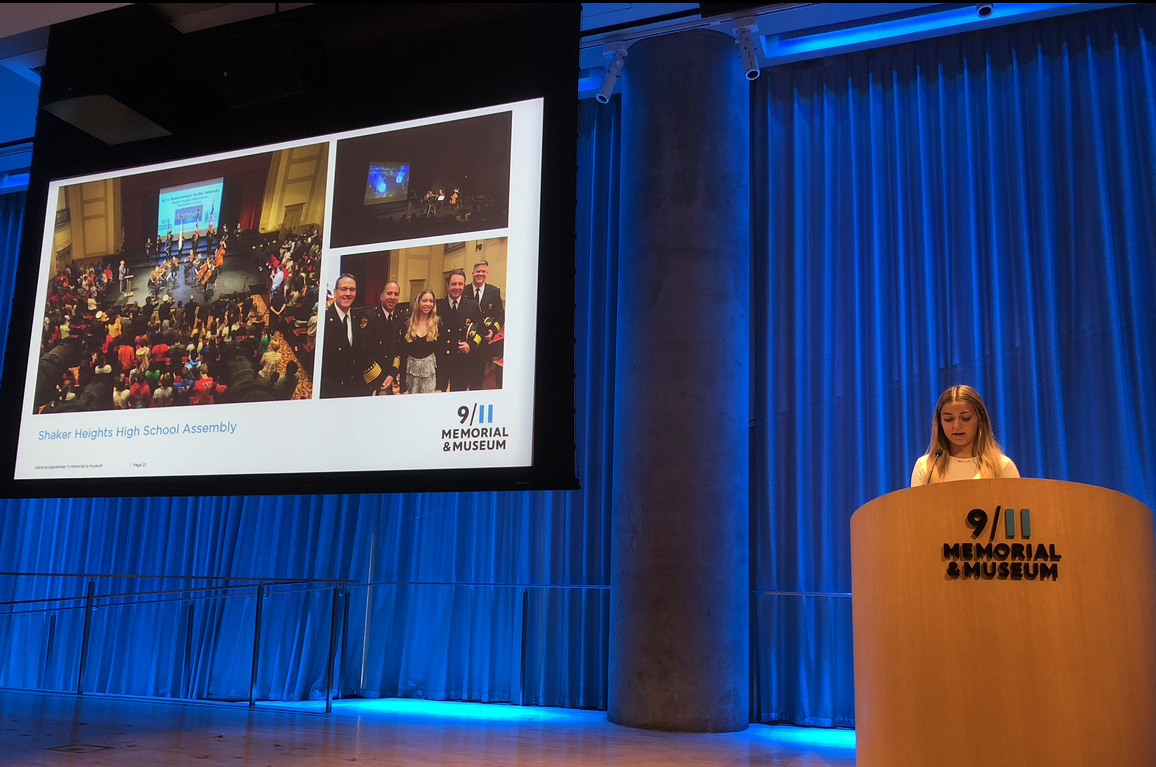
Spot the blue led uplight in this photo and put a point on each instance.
(808, 737)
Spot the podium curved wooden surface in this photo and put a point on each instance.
(991, 671)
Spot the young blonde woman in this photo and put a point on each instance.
(963, 444)
(425, 347)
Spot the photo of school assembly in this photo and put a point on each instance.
(417, 320)
(194, 285)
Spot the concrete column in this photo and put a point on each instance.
(680, 558)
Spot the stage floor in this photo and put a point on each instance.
(239, 274)
(101, 731)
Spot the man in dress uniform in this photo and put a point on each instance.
(489, 298)
(385, 327)
(345, 369)
(463, 321)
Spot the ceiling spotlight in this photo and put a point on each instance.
(614, 55)
(983, 10)
(743, 30)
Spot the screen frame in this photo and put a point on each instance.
(548, 64)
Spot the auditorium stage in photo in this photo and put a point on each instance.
(59, 729)
(240, 273)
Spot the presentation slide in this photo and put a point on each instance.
(190, 208)
(330, 336)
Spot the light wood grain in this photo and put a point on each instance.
(1005, 672)
(59, 730)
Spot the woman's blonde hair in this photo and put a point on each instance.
(434, 325)
(986, 450)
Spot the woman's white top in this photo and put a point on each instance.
(959, 468)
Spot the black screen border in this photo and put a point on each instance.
(527, 51)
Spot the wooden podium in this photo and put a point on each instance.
(1031, 643)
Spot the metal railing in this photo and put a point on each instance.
(213, 588)
(200, 668)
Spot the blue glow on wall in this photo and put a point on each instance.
(953, 21)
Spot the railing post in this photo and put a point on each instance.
(48, 649)
(332, 651)
(89, 601)
(346, 599)
(525, 629)
(188, 684)
(256, 646)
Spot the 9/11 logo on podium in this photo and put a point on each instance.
(1015, 557)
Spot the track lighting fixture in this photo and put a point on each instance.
(615, 55)
(744, 28)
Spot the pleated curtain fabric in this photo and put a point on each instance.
(971, 209)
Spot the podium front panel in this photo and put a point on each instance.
(1004, 622)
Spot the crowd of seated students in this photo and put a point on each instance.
(74, 295)
(292, 265)
(156, 354)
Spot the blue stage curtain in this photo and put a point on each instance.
(975, 209)
(474, 596)
(972, 209)
(11, 229)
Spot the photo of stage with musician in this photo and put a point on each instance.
(192, 285)
(432, 181)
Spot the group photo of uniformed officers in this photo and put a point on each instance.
(383, 346)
